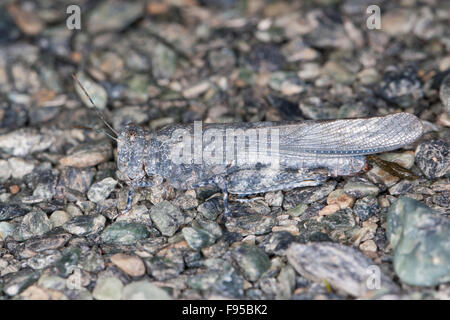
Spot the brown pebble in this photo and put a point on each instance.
(14, 189)
(28, 22)
(131, 265)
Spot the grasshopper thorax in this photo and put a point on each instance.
(130, 153)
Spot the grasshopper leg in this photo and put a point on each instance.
(129, 201)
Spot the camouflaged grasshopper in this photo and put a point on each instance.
(250, 158)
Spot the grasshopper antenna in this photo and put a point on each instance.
(93, 104)
(96, 130)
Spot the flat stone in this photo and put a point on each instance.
(359, 189)
(108, 289)
(87, 154)
(101, 190)
(144, 290)
(85, 225)
(198, 238)
(122, 232)
(22, 142)
(344, 268)
(58, 218)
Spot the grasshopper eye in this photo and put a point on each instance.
(130, 151)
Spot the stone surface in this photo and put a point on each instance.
(344, 268)
(143, 290)
(131, 265)
(420, 240)
(166, 217)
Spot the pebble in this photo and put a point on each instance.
(274, 199)
(126, 233)
(5, 170)
(87, 154)
(198, 238)
(131, 265)
(166, 217)
(210, 209)
(162, 268)
(113, 15)
(307, 195)
(20, 167)
(360, 189)
(143, 290)
(27, 20)
(433, 158)
(444, 93)
(11, 211)
(35, 223)
(420, 240)
(101, 190)
(249, 224)
(251, 261)
(340, 198)
(398, 22)
(108, 289)
(344, 268)
(58, 218)
(15, 283)
(401, 87)
(22, 142)
(196, 90)
(369, 246)
(366, 207)
(85, 225)
(6, 229)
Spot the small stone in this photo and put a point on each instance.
(298, 210)
(85, 225)
(5, 170)
(68, 261)
(344, 268)
(360, 189)
(420, 239)
(166, 217)
(338, 72)
(162, 268)
(444, 93)
(369, 246)
(15, 283)
(58, 218)
(366, 207)
(307, 195)
(126, 233)
(340, 198)
(114, 16)
(274, 199)
(398, 22)
(196, 90)
(222, 60)
(22, 142)
(198, 238)
(433, 158)
(251, 261)
(27, 21)
(210, 209)
(252, 223)
(6, 229)
(286, 82)
(401, 87)
(20, 167)
(108, 289)
(101, 190)
(131, 265)
(144, 290)
(76, 179)
(14, 189)
(33, 224)
(87, 155)
(330, 209)
(11, 211)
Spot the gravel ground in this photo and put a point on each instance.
(371, 236)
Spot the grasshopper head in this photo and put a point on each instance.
(130, 152)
